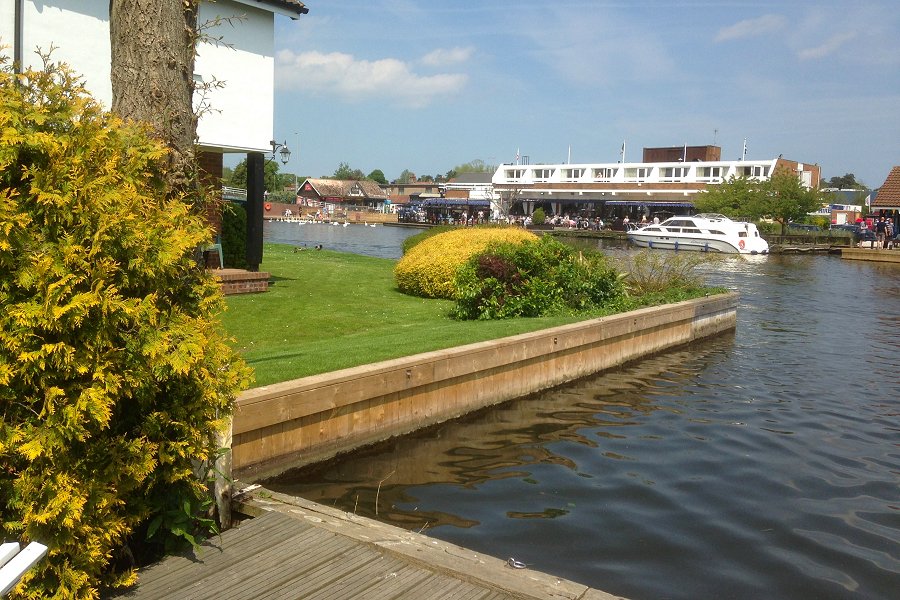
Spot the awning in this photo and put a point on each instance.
(455, 202)
(649, 204)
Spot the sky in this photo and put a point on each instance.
(425, 85)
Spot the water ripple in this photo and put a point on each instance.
(760, 464)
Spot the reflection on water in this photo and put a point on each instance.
(763, 463)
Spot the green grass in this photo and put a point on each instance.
(330, 310)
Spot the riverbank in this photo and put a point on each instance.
(327, 311)
(303, 421)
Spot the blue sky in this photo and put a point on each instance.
(425, 85)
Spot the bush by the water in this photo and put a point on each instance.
(656, 271)
(413, 240)
(114, 375)
(535, 278)
(538, 217)
(429, 268)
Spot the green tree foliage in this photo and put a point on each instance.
(781, 198)
(271, 177)
(535, 278)
(234, 236)
(737, 197)
(785, 199)
(377, 176)
(845, 182)
(406, 176)
(114, 374)
(538, 217)
(345, 173)
(473, 166)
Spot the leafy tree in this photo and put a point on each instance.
(474, 166)
(737, 197)
(426, 178)
(786, 199)
(406, 176)
(377, 176)
(846, 182)
(271, 177)
(345, 173)
(115, 378)
(538, 217)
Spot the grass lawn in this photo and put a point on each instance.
(331, 310)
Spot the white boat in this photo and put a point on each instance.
(706, 232)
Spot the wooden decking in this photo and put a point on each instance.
(298, 549)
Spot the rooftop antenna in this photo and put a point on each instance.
(715, 136)
(744, 153)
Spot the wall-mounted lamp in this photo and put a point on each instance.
(284, 152)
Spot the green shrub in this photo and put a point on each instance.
(538, 217)
(654, 271)
(535, 278)
(234, 235)
(429, 268)
(114, 375)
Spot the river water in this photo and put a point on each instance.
(759, 464)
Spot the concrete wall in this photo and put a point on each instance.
(311, 419)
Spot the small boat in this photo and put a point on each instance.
(706, 232)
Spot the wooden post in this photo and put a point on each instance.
(223, 488)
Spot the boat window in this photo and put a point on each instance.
(716, 232)
(690, 230)
(673, 229)
(742, 234)
(652, 229)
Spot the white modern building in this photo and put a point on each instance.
(241, 118)
(667, 180)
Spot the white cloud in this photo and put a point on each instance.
(447, 56)
(751, 28)
(343, 75)
(829, 46)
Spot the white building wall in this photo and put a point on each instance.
(242, 116)
(7, 28)
(78, 30)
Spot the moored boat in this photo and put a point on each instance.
(705, 232)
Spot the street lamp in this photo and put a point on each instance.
(284, 151)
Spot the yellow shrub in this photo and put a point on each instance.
(429, 268)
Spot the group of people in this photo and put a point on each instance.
(884, 232)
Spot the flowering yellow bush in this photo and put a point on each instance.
(429, 268)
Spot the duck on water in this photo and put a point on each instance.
(706, 232)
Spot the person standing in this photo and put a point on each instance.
(880, 228)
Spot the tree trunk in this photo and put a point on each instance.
(152, 72)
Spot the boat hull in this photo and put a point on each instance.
(698, 244)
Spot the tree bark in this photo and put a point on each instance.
(152, 72)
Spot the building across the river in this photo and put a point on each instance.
(666, 181)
